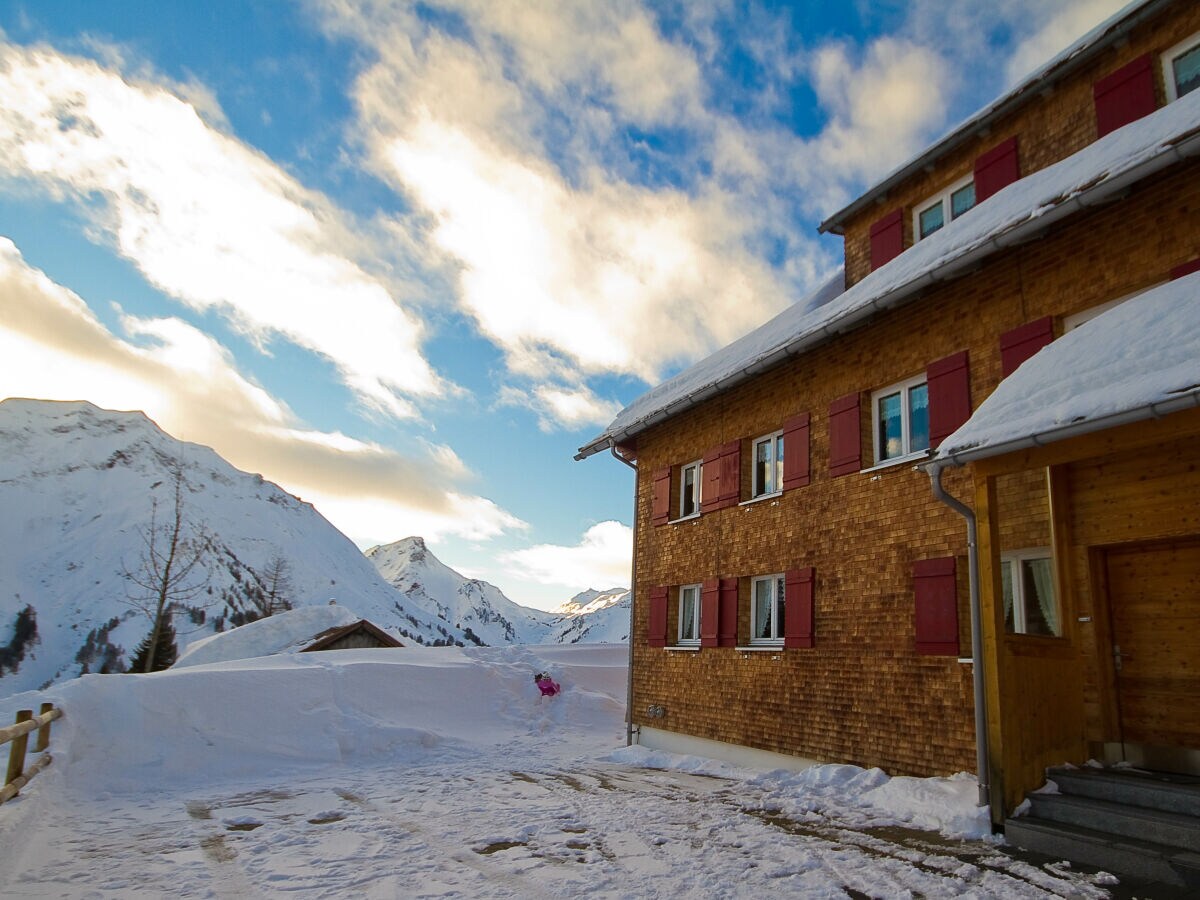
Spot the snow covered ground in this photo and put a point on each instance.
(424, 772)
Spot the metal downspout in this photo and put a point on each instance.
(612, 448)
(981, 743)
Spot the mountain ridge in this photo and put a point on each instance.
(78, 485)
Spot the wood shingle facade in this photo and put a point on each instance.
(798, 587)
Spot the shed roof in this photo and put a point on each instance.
(328, 638)
(1062, 66)
(1023, 210)
(1137, 361)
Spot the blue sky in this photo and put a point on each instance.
(403, 259)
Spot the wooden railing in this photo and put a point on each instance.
(18, 734)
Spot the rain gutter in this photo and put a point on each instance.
(982, 761)
(1184, 147)
(612, 448)
(1187, 399)
(980, 125)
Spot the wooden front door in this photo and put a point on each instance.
(1154, 601)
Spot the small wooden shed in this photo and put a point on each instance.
(355, 636)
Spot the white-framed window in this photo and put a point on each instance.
(689, 615)
(901, 416)
(768, 464)
(1027, 583)
(1181, 68)
(943, 207)
(689, 489)
(766, 610)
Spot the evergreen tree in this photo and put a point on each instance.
(165, 651)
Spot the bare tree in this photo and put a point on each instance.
(170, 570)
(277, 584)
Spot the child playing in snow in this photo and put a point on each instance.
(547, 685)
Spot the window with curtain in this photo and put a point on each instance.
(689, 614)
(766, 613)
(1030, 604)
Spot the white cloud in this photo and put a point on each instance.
(600, 560)
(206, 219)
(510, 135)
(882, 107)
(54, 348)
(572, 406)
(1070, 22)
(605, 213)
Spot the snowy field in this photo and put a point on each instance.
(441, 773)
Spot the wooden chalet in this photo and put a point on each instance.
(355, 636)
(799, 589)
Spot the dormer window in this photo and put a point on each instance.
(943, 207)
(1181, 68)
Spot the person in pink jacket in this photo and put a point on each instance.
(547, 685)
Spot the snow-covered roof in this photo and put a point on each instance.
(1137, 361)
(1016, 214)
(281, 633)
(1062, 66)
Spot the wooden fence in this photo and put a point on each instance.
(18, 734)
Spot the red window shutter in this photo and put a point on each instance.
(795, 452)
(1186, 269)
(798, 607)
(710, 612)
(727, 627)
(949, 384)
(1124, 96)
(1018, 345)
(845, 436)
(887, 238)
(660, 512)
(657, 631)
(935, 590)
(996, 169)
(710, 493)
(731, 474)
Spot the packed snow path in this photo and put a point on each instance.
(500, 793)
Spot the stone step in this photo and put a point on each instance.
(1118, 855)
(1152, 790)
(1158, 826)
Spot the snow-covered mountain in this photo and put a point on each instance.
(591, 601)
(77, 485)
(593, 617)
(482, 610)
(475, 607)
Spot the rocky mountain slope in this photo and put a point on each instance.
(476, 607)
(77, 489)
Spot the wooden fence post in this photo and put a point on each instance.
(43, 741)
(16, 757)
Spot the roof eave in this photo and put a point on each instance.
(980, 124)
(1157, 409)
(1182, 147)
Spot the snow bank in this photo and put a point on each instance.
(274, 718)
(267, 716)
(851, 795)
